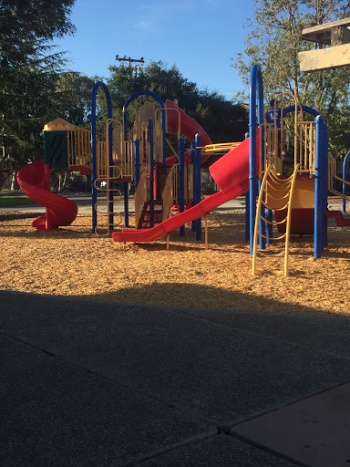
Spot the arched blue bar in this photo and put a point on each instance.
(145, 92)
(305, 108)
(97, 86)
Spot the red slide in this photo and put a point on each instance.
(188, 126)
(178, 120)
(59, 210)
(230, 174)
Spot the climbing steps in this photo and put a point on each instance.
(275, 195)
(151, 214)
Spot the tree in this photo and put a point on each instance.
(275, 42)
(28, 74)
(72, 98)
(222, 120)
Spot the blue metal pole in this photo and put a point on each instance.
(126, 203)
(325, 182)
(321, 187)
(196, 161)
(252, 157)
(110, 191)
(97, 86)
(182, 179)
(151, 163)
(345, 177)
(317, 193)
(137, 162)
(256, 116)
(194, 179)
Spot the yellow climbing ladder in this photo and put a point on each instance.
(276, 194)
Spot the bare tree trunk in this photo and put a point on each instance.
(14, 184)
(2, 178)
(62, 180)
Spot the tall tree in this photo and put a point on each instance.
(72, 97)
(28, 74)
(274, 42)
(221, 119)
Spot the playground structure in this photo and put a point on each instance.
(295, 203)
(165, 176)
(283, 196)
(292, 194)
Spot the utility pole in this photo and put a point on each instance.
(130, 61)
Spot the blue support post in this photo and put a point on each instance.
(325, 182)
(126, 203)
(256, 116)
(137, 162)
(196, 161)
(194, 179)
(151, 162)
(181, 187)
(321, 187)
(247, 208)
(345, 177)
(111, 183)
(94, 142)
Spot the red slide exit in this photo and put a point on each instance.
(230, 173)
(60, 211)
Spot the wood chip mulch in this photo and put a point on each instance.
(72, 261)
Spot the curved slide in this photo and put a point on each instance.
(188, 127)
(59, 210)
(230, 174)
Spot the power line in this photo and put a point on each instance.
(129, 59)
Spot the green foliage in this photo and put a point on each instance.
(7, 201)
(29, 72)
(72, 98)
(221, 119)
(274, 42)
(33, 19)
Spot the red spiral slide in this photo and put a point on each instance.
(230, 174)
(34, 180)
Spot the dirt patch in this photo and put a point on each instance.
(74, 262)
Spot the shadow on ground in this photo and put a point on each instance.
(199, 297)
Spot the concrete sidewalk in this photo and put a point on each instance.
(84, 205)
(87, 383)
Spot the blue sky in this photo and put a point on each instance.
(199, 37)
